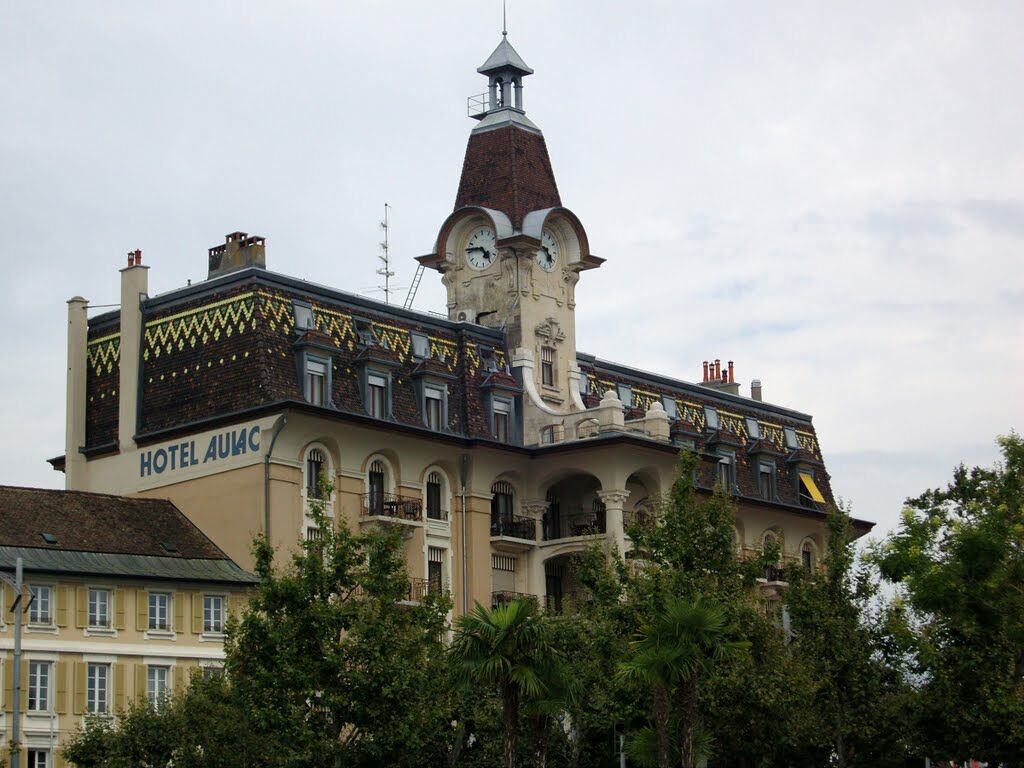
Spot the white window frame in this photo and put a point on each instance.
(439, 396)
(314, 369)
(97, 692)
(302, 311)
(376, 380)
(35, 615)
(753, 428)
(547, 367)
(37, 758)
(420, 345)
(157, 677)
(40, 685)
(792, 442)
(94, 606)
(153, 611)
(500, 407)
(214, 614)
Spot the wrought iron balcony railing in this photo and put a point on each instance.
(436, 514)
(515, 526)
(377, 504)
(574, 522)
(503, 597)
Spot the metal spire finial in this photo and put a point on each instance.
(504, 19)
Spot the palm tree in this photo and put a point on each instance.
(673, 654)
(508, 648)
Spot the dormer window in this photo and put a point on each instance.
(488, 360)
(725, 471)
(547, 366)
(753, 428)
(303, 314)
(810, 494)
(364, 332)
(377, 395)
(625, 393)
(766, 480)
(434, 407)
(584, 384)
(669, 404)
(420, 346)
(710, 418)
(315, 380)
(502, 418)
(791, 442)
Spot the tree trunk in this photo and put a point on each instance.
(687, 720)
(661, 715)
(510, 717)
(540, 741)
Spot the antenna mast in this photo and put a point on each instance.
(385, 260)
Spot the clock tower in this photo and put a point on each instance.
(510, 254)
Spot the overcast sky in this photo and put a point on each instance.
(830, 194)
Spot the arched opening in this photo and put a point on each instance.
(317, 477)
(561, 585)
(808, 555)
(574, 508)
(504, 521)
(436, 496)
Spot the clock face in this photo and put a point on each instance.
(547, 256)
(481, 249)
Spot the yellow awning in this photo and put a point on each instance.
(812, 488)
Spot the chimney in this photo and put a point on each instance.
(74, 434)
(755, 389)
(724, 380)
(134, 291)
(239, 251)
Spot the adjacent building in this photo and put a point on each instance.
(128, 598)
(497, 446)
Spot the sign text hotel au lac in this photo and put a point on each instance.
(187, 453)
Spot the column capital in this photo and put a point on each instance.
(614, 498)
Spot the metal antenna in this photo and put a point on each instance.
(504, 19)
(385, 268)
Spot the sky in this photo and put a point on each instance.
(829, 194)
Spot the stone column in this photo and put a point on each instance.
(613, 501)
(534, 559)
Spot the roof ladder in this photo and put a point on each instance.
(411, 296)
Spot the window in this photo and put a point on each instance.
(434, 485)
(502, 420)
(791, 442)
(313, 533)
(97, 689)
(433, 407)
(807, 559)
(41, 610)
(505, 563)
(724, 472)
(809, 491)
(377, 480)
(547, 436)
(488, 360)
(435, 568)
(584, 384)
(213, 613)
(99, 608)
(364, 332)
(710, 417)
(316, 381)
(502, 501)
(303, 313)
(156, 685)
(766, 480)
(38, 758)
(669, 404)
(314, 471)
(39, 686)
(159, 611)
(376, 395)
(213, 673)
(625, 393)
(420, 346)
(753, 428)
(547, 366)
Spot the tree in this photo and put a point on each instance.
(509, 648)
(958, 561)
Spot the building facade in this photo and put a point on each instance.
(128, 599)
(496, 445)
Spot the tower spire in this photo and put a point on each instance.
(504, 19)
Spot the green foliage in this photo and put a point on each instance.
(958, 558)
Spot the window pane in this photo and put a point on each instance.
(159, 602)
(39, 612)
(501, 427)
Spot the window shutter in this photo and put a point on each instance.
(81, 668)
(63, 601)
(61, 689)
(24, 686)
(179, 601)
(81, 607)
(236, 604)
(140, 682)
(197, 613)
(120, 692)
(8, 597)
(119, 596)
(141, 610)
(7, 693)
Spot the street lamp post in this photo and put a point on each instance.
(16, 608)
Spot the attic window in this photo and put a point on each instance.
(364, 332)
(753, 429)
(420, 346)
(488, 359)
(49, 538)
(625, 393)
(169, 546)
(710, 417)
(584, 384)
(303, 315)
(791, 442)
(669, 404)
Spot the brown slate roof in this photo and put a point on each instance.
(96, 522)
(508, 169)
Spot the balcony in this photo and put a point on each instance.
(504, 597)
(437, 514)
(513, 526)
(392, 506)
(566, 523)
(564, 603)
(775, 574)
(638, 518)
